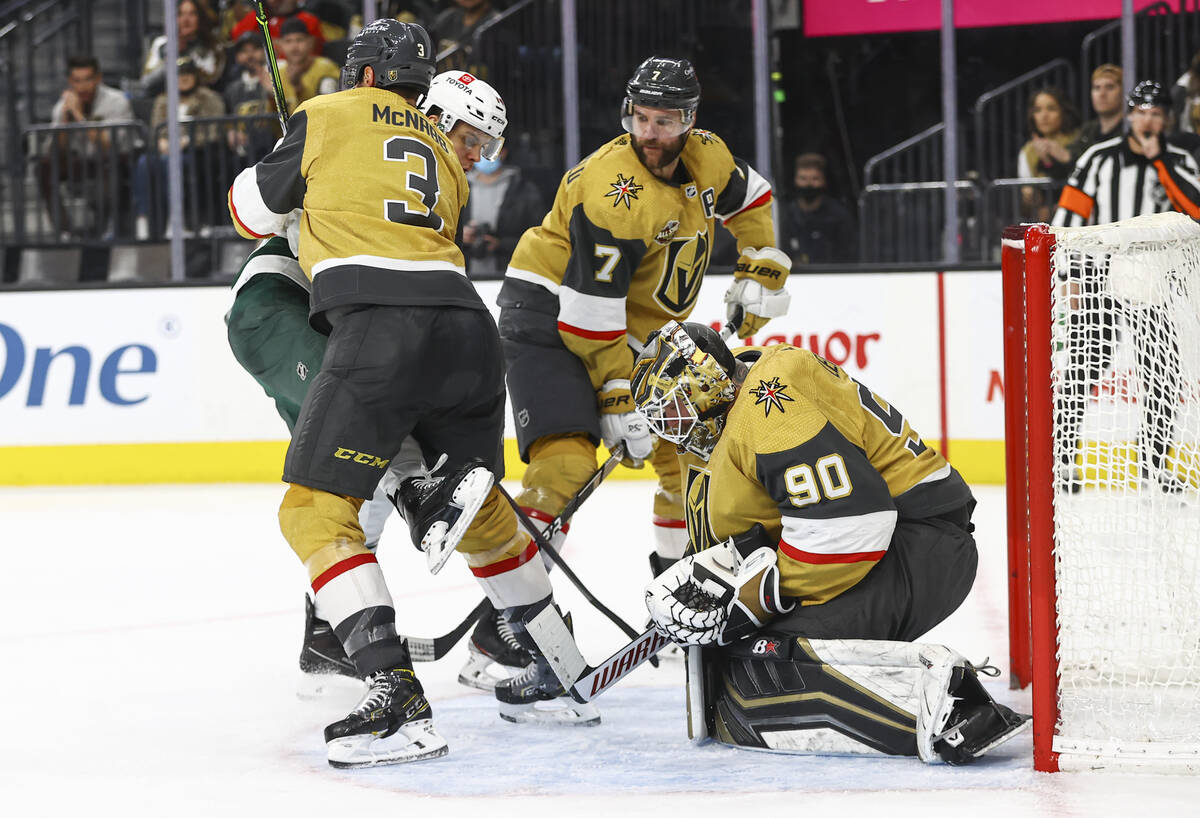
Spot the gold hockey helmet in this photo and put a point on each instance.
(682, 386)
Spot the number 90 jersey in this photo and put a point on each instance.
(381, 191)
(824, 464)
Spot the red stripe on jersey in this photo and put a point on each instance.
(761, 200)
(337, 569)
(595, 335)
(812, 558)
(509, 564)
(233, 212)
(666, 522)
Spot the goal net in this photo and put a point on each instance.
(1102, 367)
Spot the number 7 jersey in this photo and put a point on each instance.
(381, 191)
(824, 464)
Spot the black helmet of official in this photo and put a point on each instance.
(399, 53)
(662, 82)
(1148, 94)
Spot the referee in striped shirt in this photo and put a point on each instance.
(1136, 173)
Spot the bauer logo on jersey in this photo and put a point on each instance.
(771, 394)
(700, 534)
(668, 232)
(624, 191)
(683, 271)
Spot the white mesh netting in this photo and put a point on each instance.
(1126, 386)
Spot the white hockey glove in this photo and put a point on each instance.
(620, 424)
(718, 596)
(757, 293)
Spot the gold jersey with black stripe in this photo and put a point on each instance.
(625, 251)
(825, 464)
(381, 191)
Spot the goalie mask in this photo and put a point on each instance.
(666, 85)
(457, 96)
(682, 385)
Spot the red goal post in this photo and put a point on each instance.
(1102, 430)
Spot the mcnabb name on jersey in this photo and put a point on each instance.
(408, 118)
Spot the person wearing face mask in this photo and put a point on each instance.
(503, 205)
(816, 228)
(198, 146)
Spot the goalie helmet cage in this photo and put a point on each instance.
(1102, 429)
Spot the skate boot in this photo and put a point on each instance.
(975, 723)
(492, 649)
(323, 661)
(439, 507)
(392, 724)
(535, 695)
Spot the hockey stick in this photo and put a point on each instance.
(430, 650)
(547, 549)
(273, 64)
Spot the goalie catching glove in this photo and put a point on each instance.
(720, 595)
(620, 424)
(757, 293)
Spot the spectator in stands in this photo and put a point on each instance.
(1108, 102)
(277, 12)
(250, 95)
(196, 26)
(456, 26)
(816, 228)
(422, 12)
(304, 74)
(335, 19)
(87, 156)
(232, 12)
(502, 206)
(1053, 124)
(199, 146)
(1186, 104)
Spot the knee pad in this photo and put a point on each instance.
(558, 466)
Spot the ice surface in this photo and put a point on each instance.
(149, 669)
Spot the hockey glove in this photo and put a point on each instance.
(720, 595)
(620, 424)
(757, 290)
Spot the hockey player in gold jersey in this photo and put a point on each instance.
(624, 248)
(825, 535)
(411, 350)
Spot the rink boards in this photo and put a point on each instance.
(139, 385)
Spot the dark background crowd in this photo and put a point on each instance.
(855, 143)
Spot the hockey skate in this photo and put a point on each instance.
(323, 662)
(392, 724)
(440, 507)
(535, 695)
(493, 654)
(960, 721)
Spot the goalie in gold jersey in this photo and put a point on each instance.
(624, 248)
(411, 350)
(825, 536)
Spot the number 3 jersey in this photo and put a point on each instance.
(625, 251)
(824, 464)
(381, 191)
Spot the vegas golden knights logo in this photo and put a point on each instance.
(686, 262)
(700, 534)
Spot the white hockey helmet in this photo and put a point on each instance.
(456, 96)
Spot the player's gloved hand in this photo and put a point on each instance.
(620, 424)
(291, 229)
(757, 290)
(720, 595)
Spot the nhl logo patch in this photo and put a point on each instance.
(668, 232)
(689, 190)
(523, 418)
(771, 394)
(302, 370)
